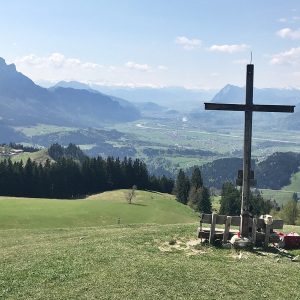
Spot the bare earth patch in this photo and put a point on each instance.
(190, 247)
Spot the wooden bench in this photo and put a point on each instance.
(259, 231)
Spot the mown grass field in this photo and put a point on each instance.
(136, 262)
(98, 210)
(74, 249)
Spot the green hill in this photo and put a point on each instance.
(98, 210)
(75, 249)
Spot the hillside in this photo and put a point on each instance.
(97, 210)
(40, 156)
(275, 172)
(22, 102)
(295, 183)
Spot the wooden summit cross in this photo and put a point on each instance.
(248, 108)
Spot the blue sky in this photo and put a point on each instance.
(195, 44)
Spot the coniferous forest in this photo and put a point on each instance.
(68, 178)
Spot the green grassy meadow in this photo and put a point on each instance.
(98, 210)
(75, 249)
(136, 262)
(40, 156)
(281, 196)
(295, 183)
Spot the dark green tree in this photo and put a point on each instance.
(290, 212)
(230, 200)
(205, 204)
(295, 197)
(196, 179)
(199, 199)
(182, 187)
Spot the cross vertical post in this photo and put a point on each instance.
(245, 216)
(248, 108)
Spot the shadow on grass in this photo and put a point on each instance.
(259, 251)
(273, 250)
(139, 204)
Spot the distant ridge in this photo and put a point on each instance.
(22, 102)
(235, 94)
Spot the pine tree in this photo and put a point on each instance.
(205, 204)
(199, 200)
(230, 200)
(196, 179)
(182, 187)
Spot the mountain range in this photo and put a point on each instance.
(22, 102)
(235, 94)
(175, 98)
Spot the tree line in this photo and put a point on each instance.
(68, 178)
(192, 192)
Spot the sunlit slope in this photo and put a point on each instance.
(103, 209)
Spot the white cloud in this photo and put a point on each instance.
(282, 20)
(229, 48)
(56, 67)
(188, 44)
(289, 33)
(291, 57)
(135, 66)
(162, 67)
(55, 60)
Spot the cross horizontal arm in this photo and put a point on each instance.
(253, 107)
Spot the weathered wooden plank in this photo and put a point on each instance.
(221, 219)
(235, 220)
(227, 229)
(212, 228)
(251, 107)
(267, 236)
(206, 218)
(277, 224)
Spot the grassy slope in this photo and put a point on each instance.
(281, 196)
(96, 210)
(91, 259)
(295, 183)
(127, 262)
(40, 156)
